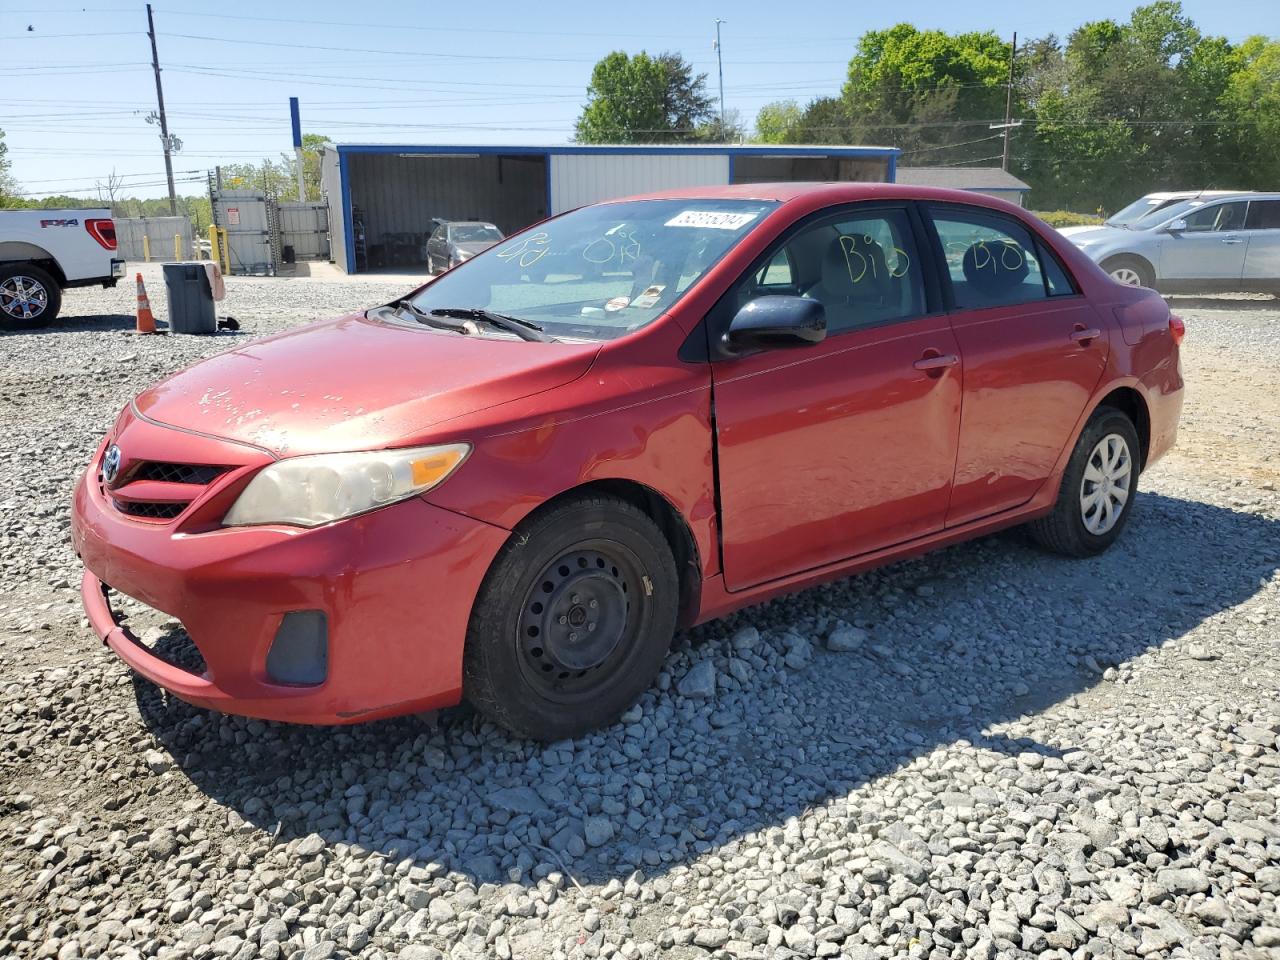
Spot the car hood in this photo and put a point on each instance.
(1094, 234)
(355, 384)
(1072, 231)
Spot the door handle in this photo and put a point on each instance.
(936, 363)
(1084, 335)
(1232, 240)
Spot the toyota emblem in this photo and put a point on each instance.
(111, 464)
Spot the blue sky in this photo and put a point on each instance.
(78, 86)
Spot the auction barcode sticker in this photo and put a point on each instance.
(712, 219)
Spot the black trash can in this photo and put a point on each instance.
(190, 299)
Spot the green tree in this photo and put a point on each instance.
(8, 186)
(1139, 106)
(1252, 98)
(644, 99)
(777, 121)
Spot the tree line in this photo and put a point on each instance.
(1115, 110)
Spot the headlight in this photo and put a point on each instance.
(310, 491)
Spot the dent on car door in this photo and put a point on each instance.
(846, 446)
(1262, 230)
(1034, 351)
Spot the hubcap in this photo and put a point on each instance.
(1127, 275)
(1104, 490)
(575, 621)
(23, 298)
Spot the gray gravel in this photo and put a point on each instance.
(985, 753)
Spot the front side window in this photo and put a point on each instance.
(1217, 218)
(862, 267)
(992, 260)
(602, 271)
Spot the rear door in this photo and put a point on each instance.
(1262, 231)
(846, 446)
(1033, 350)
(1211, 248)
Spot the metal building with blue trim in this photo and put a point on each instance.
(383, 197)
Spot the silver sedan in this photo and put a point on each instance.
(1201, 244)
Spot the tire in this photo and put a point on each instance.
(573, 619)
(1132, 271)
(1073, 528)
(29, 297)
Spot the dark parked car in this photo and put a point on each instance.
(455, 241)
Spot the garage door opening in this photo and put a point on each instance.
(396, 196)
(775, 169)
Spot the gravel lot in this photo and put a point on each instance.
(988, 752)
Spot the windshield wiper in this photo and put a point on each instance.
(427, 320)
(523, 329)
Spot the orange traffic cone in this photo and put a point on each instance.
(146, 321)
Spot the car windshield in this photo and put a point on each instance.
(1174, 211)
(475, 233)
(601, 271)
(1137, 210)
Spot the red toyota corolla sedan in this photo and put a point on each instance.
(514, 484)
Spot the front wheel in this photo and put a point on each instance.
(1098, 489)
(29, 297)
(573, 619)
(1131, 271)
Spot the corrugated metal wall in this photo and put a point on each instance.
(305, 227)
(400, 194)
(578, 179)
(244, 215)
(818, 169)
(331, 185)
(160, 230)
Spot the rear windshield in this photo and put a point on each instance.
(601, 271)
(474, 233)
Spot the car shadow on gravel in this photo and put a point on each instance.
(958, 643)
(73, 324)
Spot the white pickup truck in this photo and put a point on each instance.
(42, 252)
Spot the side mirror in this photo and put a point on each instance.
(1177, 226)
(769, 322)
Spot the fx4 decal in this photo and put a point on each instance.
(59, 223)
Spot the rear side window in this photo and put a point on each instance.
(993, 261)
(1263, 215)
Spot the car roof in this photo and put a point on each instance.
(821, 193)
(1192, 194)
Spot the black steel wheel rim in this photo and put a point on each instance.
(579, 620)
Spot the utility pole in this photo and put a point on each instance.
(164, 123)
(1008, 105)
(720, 66)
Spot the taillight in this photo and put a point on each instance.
(1177, 329)
(104, 231)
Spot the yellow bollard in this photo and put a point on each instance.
(177, 246)
(146, 248)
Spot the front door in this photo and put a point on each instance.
(848, 446)
(1034, 351)
(1211, 248)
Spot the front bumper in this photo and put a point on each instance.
(396, 588)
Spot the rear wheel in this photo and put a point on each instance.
(1098, 489)
(1130, 271)
(29, 297)
(573, 619)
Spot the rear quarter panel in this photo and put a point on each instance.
(59, 235)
